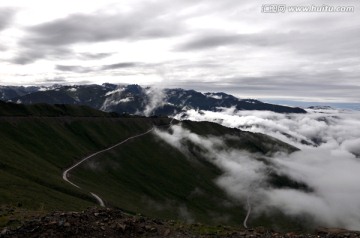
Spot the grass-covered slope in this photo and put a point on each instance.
(35, 151)
(150, 177)
(42, 110)
(144, 175)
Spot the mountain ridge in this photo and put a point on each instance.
(134, 99)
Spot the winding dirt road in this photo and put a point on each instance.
(67, 171)
(248, 211)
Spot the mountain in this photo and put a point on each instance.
(134, 99)
(144, 175)
(47, 110)
(9, 92)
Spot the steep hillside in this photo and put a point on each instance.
(46, 110)
(149, 177)
(35, 150)
(144, 175)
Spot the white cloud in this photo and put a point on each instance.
(117, 90)
(237, 165)
(328, 163)
(333, 174)
(155, 99)
(352, 145)
(114, 98)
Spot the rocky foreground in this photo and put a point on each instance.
(97, 222)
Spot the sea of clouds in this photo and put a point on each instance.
(328, 161)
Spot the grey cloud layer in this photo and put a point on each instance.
(6, 18)
(98, 28)
(91, 56)
(300, 83)
(212, 40)
(52, 39)
(73, 68)
(31, 53)
(120, 65)
(6, 15)
(81, 69)
(339, 42)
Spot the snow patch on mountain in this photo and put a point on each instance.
(211, 95)
(72, 89)
(118, 91)
(42, 89)
(250, 101)
(125, 100)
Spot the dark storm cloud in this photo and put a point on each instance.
(6, 16)
(82, 69)
(75, 69)
(31, 54)
(94, 56)
(120, 65)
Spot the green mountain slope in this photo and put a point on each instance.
(150, 177)
(56, 110)
(35, 151)
(144, 175)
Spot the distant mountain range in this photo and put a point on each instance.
(134, 99)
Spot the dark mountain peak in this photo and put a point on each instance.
(109, 86)
(134, 88)
(220, 96)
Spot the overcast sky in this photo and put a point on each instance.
(209, 45)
